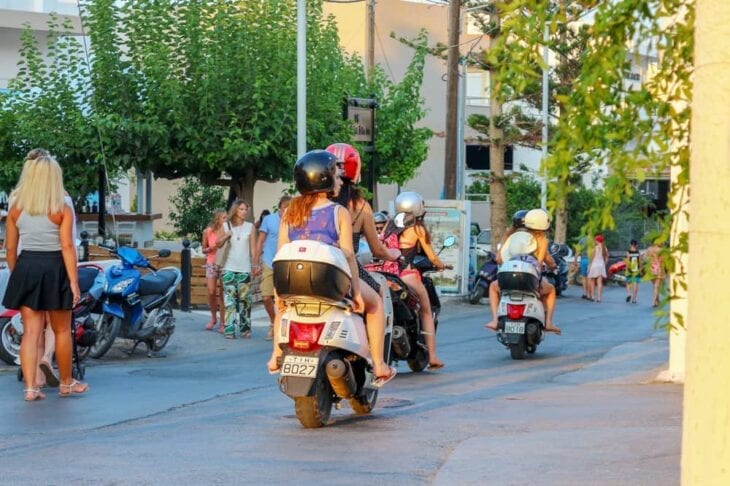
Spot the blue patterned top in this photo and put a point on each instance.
(321, 227)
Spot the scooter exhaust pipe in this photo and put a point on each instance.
(400, 344)
(340, 376)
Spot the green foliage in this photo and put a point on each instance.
(166, 236)
(523, 190)
(45, 108)
(193, 207)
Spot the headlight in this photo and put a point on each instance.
(120, 287)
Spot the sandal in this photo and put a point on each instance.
(379, 381)
(73, 388)
(210, 326)
(246, 334)
(51, 378)
(33, 394)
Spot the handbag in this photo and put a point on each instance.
(221, 254)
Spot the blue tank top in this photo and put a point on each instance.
(321, 227)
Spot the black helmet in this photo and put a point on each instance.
(315, 172)
(518, 219)
(380, 218)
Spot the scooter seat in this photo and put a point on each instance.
(156, 283)
(87, 275)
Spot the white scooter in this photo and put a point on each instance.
(521, 315)
(326, 356)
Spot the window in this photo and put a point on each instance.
(477, 157)
(477, 88)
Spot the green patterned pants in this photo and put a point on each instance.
(237, 301)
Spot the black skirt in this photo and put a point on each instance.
(39, 281)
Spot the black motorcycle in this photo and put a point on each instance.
(407, 343)
(558, 277)
(487, 274)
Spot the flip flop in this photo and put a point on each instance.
(382, 380)
(437, 366)
(51, 378)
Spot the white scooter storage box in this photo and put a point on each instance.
(518, 275)
(313, 269)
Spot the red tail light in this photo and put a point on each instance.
(515, 311)
(304, 337)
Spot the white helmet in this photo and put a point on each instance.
(537, 219)
(410, 202)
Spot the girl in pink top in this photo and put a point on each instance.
(213, 238)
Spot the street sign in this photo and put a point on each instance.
(361, 112)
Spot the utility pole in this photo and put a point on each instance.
(452, 100)
(371, 38)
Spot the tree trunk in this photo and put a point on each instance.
(452, 95)
(497, 190)
(243, 186)
(561, 222)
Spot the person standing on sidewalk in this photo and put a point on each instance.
(43, 277)
(264, 259)
(214, 236)
(237, 272)
(633, 271)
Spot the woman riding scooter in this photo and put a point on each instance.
(349, 196)
(536, 223)
(312, 216)
(412, 241)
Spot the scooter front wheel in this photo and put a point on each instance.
(314, 411)
(9, 342)
(106, 334)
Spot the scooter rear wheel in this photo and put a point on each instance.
(517, 351)
(314, 411)
(364, 405)
(419, 361)
(476, 294)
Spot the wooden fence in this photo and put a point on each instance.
(198, 289)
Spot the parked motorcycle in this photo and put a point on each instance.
(137, 307)
(617, 273)
(521, 315)
(91, 284)
(326, 358)
(558, 277)
(486, 275)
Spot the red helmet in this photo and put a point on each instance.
(349, 157)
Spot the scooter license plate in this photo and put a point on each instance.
(512, 327)
(301, 366)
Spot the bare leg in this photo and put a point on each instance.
(656, 283)
(585, 286)
(547, 291)
(493, 305)
(634, 291)
(273, 365)
(375, 326)
(269, 306)
(591, 287)
(33, 322)
(47, 345)
(599, 291)
(428, 329)
(211, 284)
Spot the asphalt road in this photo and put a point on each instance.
(585, 409)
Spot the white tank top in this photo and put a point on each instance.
(239, 257)
(38, 233)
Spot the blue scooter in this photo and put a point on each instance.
(137, 307)
(487, 274)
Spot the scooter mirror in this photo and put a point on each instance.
(449, 241)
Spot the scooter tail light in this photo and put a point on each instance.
(305, 336)
(515, 311)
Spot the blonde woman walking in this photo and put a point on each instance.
(597, 270)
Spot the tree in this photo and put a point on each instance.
(193, 207)
(45, 108)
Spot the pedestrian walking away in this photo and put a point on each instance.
(597, 269)
(43, 276)
(633, 271)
